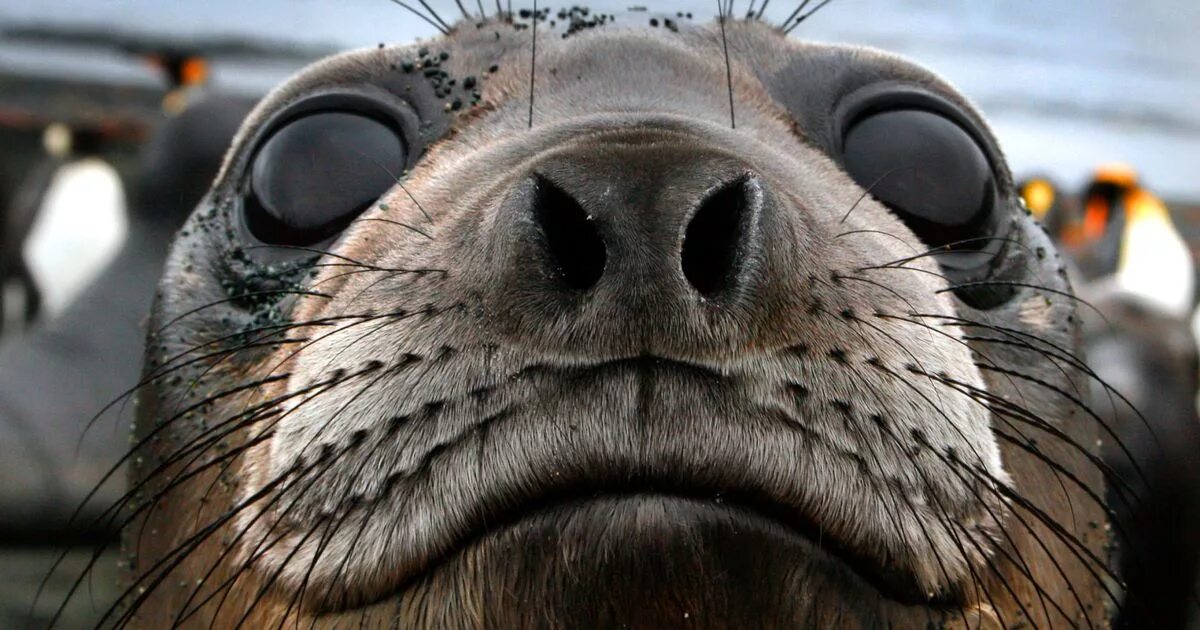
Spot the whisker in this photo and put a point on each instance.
(1079, 404)
(881, 286)
(173, 559)
(391, 222)
(235, 423)
(1029, 285)
(533, 61)
(868, 190)
(200, 445)
(322, 545)
(1020, 563)
(255, 554)
(463, 10)
(1063, 354)
(277, 419)
(270, 581)
(994, 481)
(397, 180)
(445, 30)
(728, 68)
(1056, 528)
(804, 17)
(949, 247)
(794, 13)
(1010, 411)
(883, 427)
(345, 274)
(435, 15)
(880, 232)
(366, 519)
(235, 298)
(1086, 557)
(311, 250)
(113, 511)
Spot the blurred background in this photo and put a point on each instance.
(114, 115)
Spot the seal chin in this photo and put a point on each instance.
(651, 560)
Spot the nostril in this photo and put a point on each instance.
(571, 236)
(712, 245)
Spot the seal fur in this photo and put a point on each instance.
(429, 431)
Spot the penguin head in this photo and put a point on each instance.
(1104, 202)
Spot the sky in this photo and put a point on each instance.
(1067, 84)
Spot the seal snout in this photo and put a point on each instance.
(653, 233)
(712, 229)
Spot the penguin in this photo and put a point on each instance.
(1043, 201)
(1124, 233)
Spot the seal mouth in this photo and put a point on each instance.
(713, 437)
(741, 505)
(749, 500)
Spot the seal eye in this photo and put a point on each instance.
(316, 173)
(929, 171)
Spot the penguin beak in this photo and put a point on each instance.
(1039, 196)
(1095, 219)
(1143, 205)
(193, 71)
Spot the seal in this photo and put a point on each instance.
(620, 326)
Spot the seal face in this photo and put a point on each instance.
(758, 343)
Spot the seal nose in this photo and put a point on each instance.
(713, 244)
(578, 244)
(647, 243)
(573, 244)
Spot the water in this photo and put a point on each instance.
(1066, 83)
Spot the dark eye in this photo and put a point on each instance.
(929, 171)
(315, 174)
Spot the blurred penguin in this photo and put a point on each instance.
(1126, 232)
(1136, 273)
(57, 376)
(1152, 448)
(186, 73)
(1044, 202)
